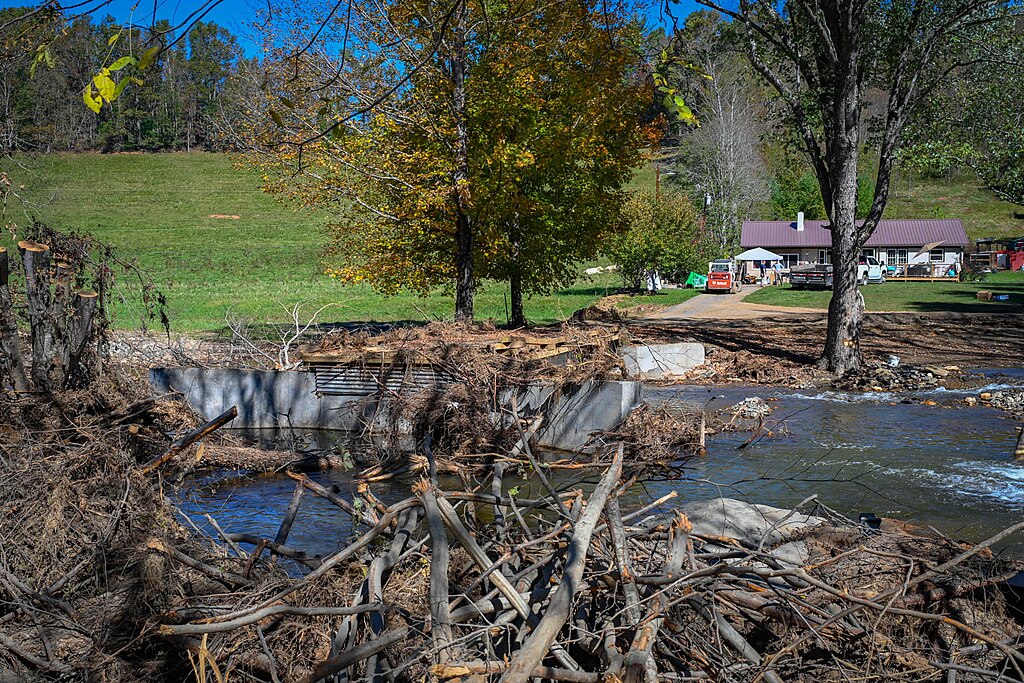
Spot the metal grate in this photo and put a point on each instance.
(360, 380)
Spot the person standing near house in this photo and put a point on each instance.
(777, 273)
(764, 269)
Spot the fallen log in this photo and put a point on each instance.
(440, 614)
(459, 669)
(327, 495)
(186, 440)
(199, 628)
(274, 547)
(451, 519)
(639, 662)
(289, 516)
(227, 578)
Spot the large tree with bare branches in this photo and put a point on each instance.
(823, 56)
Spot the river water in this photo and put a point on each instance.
(947, 465)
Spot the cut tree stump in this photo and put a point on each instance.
(36, 259)
(13, 361)
(79, 332)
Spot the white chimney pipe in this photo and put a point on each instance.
(800, 221)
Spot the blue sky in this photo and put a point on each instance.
(233, 14)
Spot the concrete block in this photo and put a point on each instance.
(265, 400)
(572, 413)
(269, 400)
(662, 360)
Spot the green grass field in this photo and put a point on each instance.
(958, 196)
(157, 208)
(921, 297)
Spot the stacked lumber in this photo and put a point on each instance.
(521, 346)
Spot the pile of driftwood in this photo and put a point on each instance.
(100, 580)
(480, 584)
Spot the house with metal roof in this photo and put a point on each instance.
(928, 246)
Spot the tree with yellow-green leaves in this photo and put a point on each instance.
(458, 140)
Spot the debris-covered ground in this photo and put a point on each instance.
(102, 579)
(784, 350)
(102, 582)
(1010, 401)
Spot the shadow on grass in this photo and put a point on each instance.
(591, 291)
(966, 300)
(966, 306)
(759, 337)
(266, 331)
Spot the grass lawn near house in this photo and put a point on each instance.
(916, 297)
(157, 208)
(662, 299)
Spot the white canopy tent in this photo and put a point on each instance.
(758, 254)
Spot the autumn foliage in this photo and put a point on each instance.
(462, 141)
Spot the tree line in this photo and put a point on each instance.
(186, 100)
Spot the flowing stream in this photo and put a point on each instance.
(947, 465)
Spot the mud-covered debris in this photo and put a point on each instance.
(884, 377)
(1010, 401)
(752, 407)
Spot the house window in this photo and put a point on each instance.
(824, 256)
(790, 260)
(936, 255)
(896, 257)
(865, 253)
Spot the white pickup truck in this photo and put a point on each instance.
(819, 275)
(870, 270)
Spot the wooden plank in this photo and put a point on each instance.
(547, 353)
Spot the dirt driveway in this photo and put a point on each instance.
(726, 307)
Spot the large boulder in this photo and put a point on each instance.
(657, 361)
(746, 522)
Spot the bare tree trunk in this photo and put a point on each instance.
(465, 284)
(9, 329)
(518, 317)
(846, 309)
(36, 259)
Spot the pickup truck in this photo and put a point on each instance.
(819, 275)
